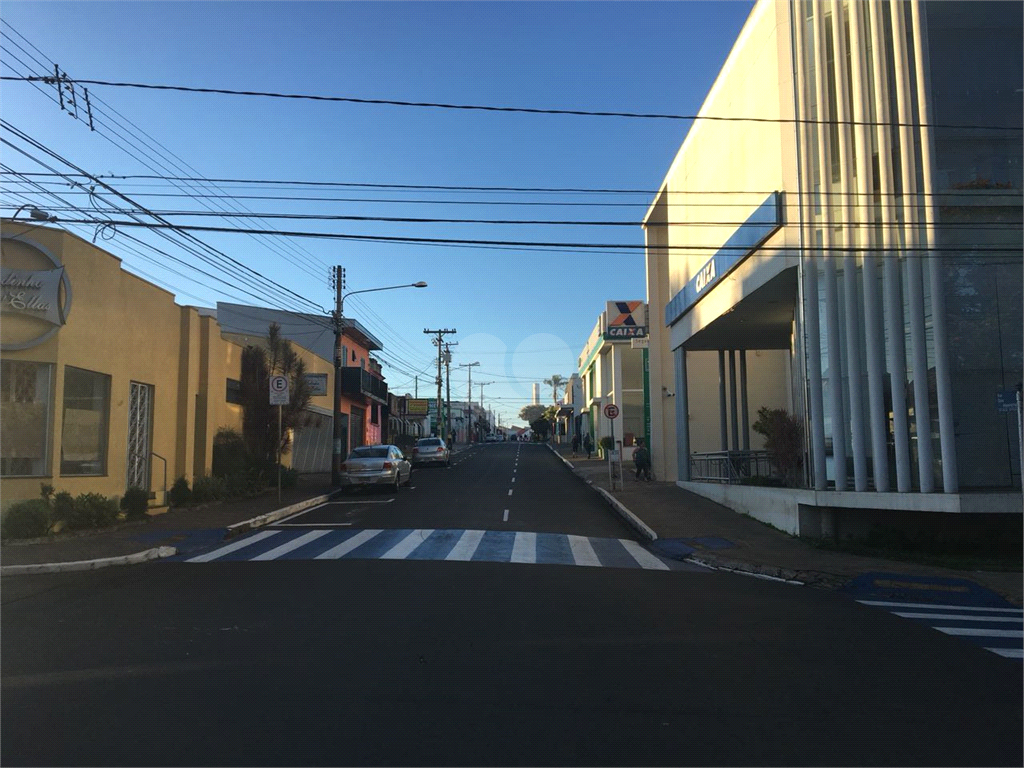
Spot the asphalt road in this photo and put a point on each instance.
(370, 661)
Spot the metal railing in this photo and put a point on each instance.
(729, 466)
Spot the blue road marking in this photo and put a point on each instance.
(495, 547)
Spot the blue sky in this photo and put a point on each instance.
(522, 314)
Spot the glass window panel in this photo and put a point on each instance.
(25, 418)
(83, 448)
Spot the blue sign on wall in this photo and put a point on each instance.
(762, 224)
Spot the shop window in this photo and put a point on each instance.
(374, 414)
(83, 449)
(25, 418)
(234, 392)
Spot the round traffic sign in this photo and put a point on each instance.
(611, 410)
(278, 383)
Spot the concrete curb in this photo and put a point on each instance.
(89, 565)
(632, 520)
(742, 572)
(271, 517)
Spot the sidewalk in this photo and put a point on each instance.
(164, 534)
(688, 526)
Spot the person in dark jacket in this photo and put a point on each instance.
(642, 460)
(588, 444)
(575, 445)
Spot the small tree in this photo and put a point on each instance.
(784, 441)
(259, 418)
(531, 413)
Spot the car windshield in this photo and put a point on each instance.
(374, 452)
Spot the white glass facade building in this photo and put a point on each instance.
(862, 235)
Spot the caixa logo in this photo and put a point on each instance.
(36, 294)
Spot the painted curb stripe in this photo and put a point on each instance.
(524, 550)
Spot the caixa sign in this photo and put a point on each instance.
(36, 294)
(625, 332)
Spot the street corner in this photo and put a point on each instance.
(683, 548)
(913, 588)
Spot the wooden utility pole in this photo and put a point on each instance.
(441, 333)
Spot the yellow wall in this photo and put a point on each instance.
(131, 330)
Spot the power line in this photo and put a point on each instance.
(617, 247)
(49, 79)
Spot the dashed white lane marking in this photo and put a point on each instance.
(509, 491)
(524, 550)
(348, 545)
(582, 552)
(466, 546)
(402, 549)
(231, 547)
(305, 538)
(505, 518)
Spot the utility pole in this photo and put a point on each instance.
(338, 280)
(448, 387)
(441, 333)
(482, 385)
(469, 401)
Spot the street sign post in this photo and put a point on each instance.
(280, 396)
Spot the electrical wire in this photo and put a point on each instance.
(49, 79)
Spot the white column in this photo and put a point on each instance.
(943, 388)
(744, 407)
(723, 421)
(733, 406)
(835, 366)
(874, 344)
(682, 416)
(890, 256)
(809, 274)
(851, 320)
(912, 260)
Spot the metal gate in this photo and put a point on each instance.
(140, 410)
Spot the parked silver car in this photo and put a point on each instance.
(376, 465)
(431, 450)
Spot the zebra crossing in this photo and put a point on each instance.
(998, 630)
(430, 544)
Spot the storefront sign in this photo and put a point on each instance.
(316, 383)
(417, 406)
(32, 299)
(751, 235)
(625, 332)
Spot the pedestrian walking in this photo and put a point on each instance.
(588, 444)
(642, 460)
(575, 445)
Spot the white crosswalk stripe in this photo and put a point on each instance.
(522, 547)
(980, 624)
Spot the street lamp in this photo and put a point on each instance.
(338, 316)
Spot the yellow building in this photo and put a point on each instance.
(105, 382)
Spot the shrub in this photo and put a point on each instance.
(207, 488)
(229, 455)
(784, 441)
(289, 477)
(242, 485)
(180, 494)
(63, 506)
(92, 510)
(608, 443)
(26, 520)
(135, 502)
